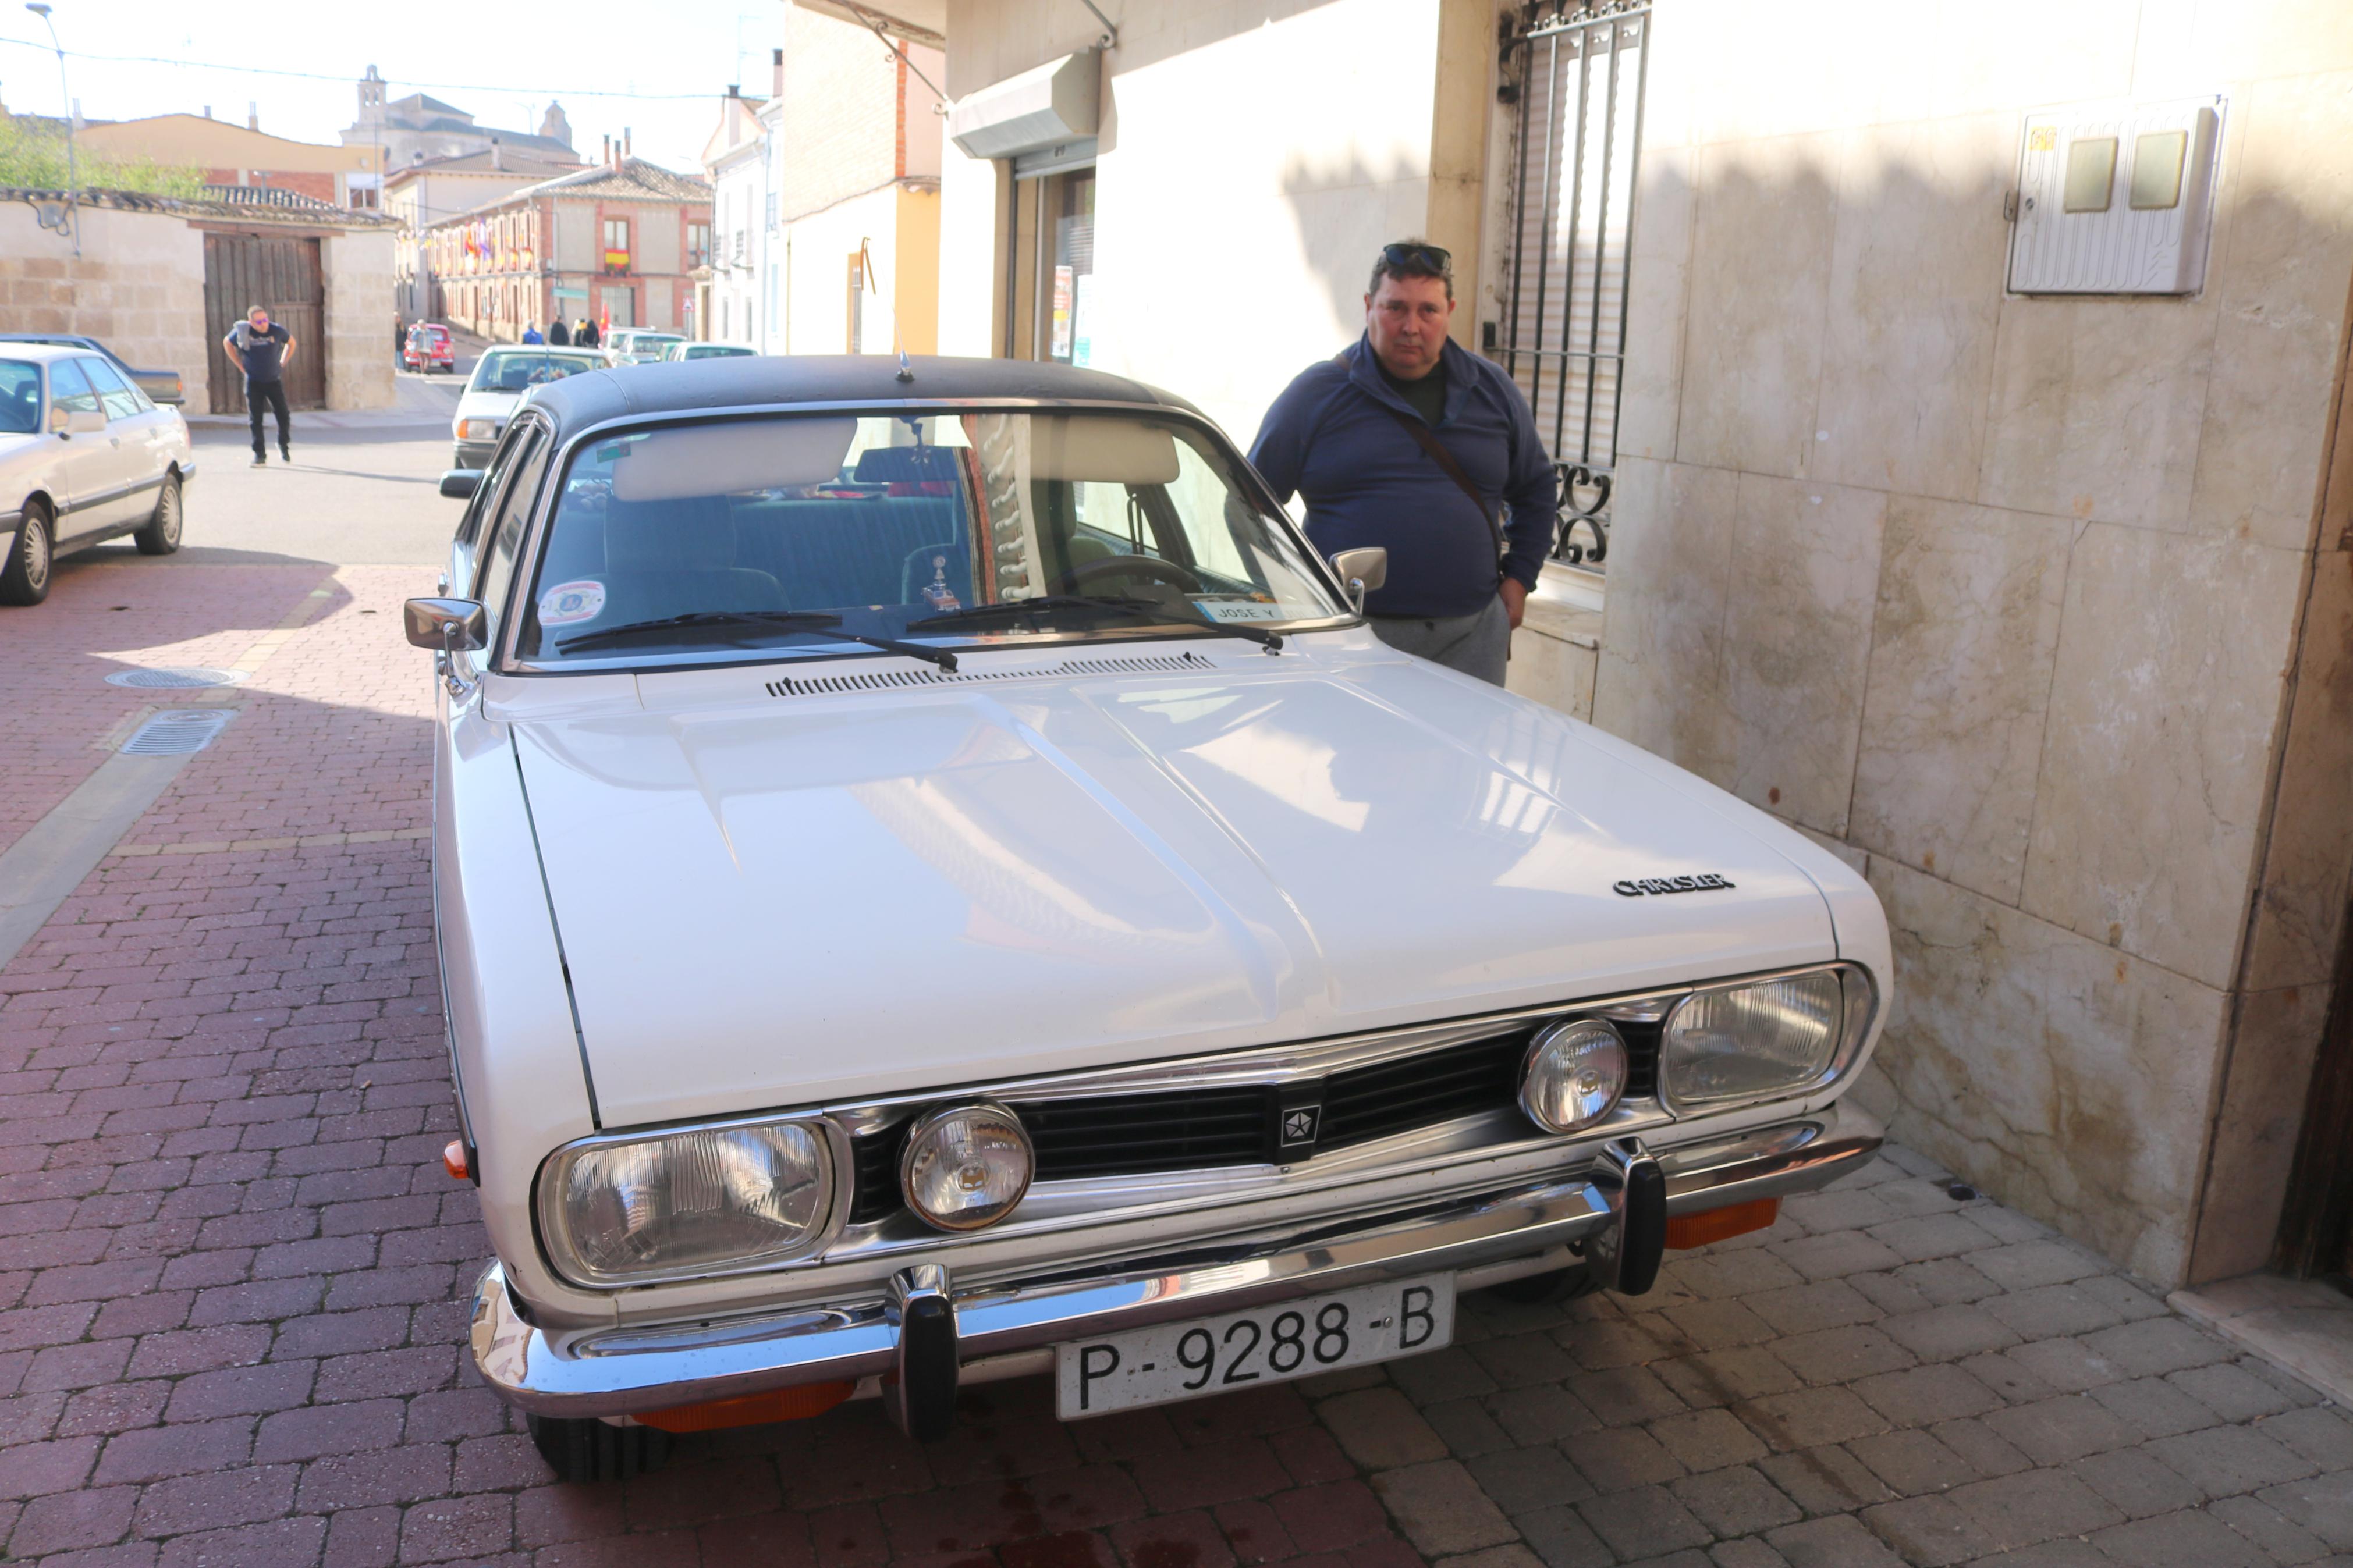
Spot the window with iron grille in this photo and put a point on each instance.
(1576, 81)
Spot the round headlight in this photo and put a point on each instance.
(965, 1165)
(1575, 1074)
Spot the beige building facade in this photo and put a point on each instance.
(2035, 606)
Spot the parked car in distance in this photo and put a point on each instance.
(163, 386)
(684, 350)
(501, 377)
(430, 349)
(1016, 918)
(637, 345)
(85, 457)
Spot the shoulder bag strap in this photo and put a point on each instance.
(1445, 461)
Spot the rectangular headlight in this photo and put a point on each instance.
(478, 429)
(1730, 1044)
(705, 1200)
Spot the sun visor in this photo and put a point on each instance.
(723, 460)
(1080, 451)
(1058, 102)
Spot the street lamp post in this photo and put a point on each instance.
(73, 179)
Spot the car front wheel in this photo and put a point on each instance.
(25, 579)
(162, 535)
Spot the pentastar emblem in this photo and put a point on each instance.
(1640, 887)
(1299, 1126)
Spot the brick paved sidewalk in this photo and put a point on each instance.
(232, 1272)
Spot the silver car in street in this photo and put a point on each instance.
(85, 457)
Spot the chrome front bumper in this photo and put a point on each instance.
(1005, 1329)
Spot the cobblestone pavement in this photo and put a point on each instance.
(232, 1272)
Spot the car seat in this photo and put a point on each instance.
(675, 557)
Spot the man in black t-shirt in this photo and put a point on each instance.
(263, 352)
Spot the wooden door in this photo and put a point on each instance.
(281, 276)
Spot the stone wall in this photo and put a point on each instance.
(357, 269)
(138, 286)
(2025, 606)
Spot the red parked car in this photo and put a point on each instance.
(428, 348)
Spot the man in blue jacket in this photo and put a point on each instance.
(1408, 441)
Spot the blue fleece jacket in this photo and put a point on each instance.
(1332, 438)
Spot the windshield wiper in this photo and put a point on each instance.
(783, 620)
(1133, 609)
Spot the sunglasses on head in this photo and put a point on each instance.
(1420, 258)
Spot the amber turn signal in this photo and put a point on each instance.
(453, 1160)
(752, 1409)
(1719, 1225)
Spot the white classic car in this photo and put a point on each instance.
(84, 458)
(936, 882)
(502, 377)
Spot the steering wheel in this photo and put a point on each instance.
(1076, 578)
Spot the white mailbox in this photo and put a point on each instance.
(2117, 200)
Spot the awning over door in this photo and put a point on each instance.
(1049, 105)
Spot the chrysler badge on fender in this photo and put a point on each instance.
(1706, 881)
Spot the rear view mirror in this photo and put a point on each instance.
(1361, 571)
(76, 421)
(459, 484)
(445, 626)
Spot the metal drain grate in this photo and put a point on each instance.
(177, 731)
(177, 679)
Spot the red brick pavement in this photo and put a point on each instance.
(102, 616)
(232, 1272)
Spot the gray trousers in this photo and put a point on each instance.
(1477, 645)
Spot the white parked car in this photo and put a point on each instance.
(501, 377)
(638, 345)
(936, 882)
(84, 458)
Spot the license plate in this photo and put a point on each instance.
(1266, 1344)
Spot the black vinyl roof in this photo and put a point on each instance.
(783, 381)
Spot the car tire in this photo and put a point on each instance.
(592, 1451)
(1546, 1290)
(162, 535)
(25, 578)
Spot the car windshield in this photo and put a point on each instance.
(920, 526)
(511, 372)
(20, 399)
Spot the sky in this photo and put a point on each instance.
(501, 62)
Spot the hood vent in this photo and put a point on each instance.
(882, 681)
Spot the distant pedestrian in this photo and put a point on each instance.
(584, 332)
(400, 335)
(1408, 441)
(558, 333)
(262, 352)
(531, 333)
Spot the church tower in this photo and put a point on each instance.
(553, 123)
(371, 97)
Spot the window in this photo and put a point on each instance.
(854, 306)
(121, 398)
(69, 389)
(2091, 173)
(2156, 170)
(20, 399)
(511, 515)
(616, 244)
(698, 245)
(1050, 295)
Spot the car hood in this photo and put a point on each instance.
(770, 900)
(485, 406)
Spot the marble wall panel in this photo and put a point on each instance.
(1658, 294)
(1966, 633)
(2069, 1080)
(1915, 298)
(2189, 45)
(1554, 671)
(2165, 706)
(2273, 1040)
(1761, 238)
(2098, 407)
(1797, 639)
(1660, 679)
(2309, 856)
(2281, 273)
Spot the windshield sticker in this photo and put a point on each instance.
(567, 602)
(1240, 610)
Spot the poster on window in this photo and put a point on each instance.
(1061, 343)
(1082, 337)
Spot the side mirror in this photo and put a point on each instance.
(459, 484)
(445, 625)
(1363, 570)
(76, 421)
